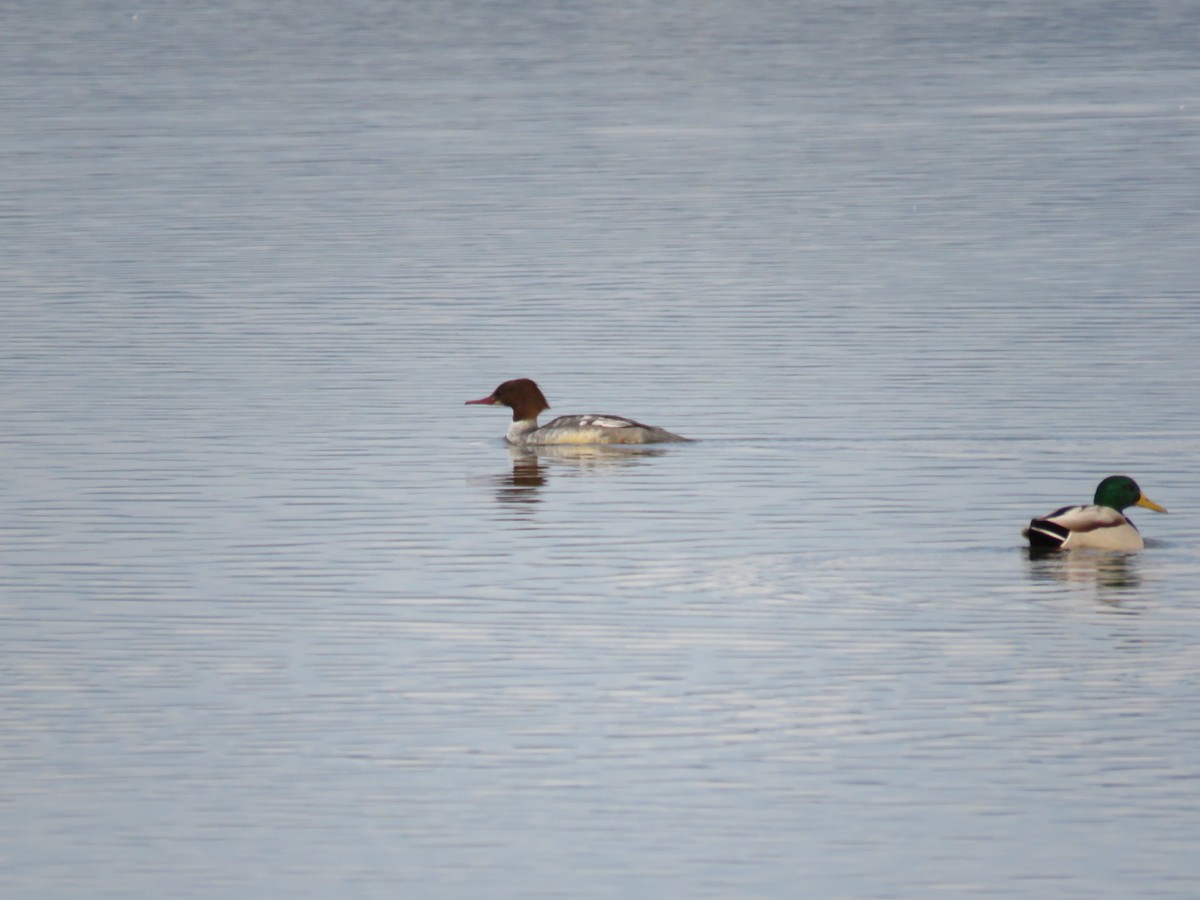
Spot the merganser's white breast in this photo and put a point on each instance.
(526, 400)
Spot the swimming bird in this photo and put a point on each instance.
(526, 401)
(1100, 526)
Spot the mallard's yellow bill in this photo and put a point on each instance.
(1149, 504)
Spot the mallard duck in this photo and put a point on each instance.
(1100, 526)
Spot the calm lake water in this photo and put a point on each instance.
(283, 618)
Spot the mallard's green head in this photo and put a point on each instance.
(1120, 492)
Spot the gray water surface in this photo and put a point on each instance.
(282, 617)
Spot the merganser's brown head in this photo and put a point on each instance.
(521, 395)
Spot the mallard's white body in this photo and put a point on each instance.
(1085, 527)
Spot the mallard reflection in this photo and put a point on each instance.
(1111, 573)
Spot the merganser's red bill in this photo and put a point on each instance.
(485, 401)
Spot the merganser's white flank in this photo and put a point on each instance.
(1101, 526)
(526, 400)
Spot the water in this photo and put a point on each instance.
(282, 617)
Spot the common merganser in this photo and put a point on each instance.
(1100, 526)
(526, 400)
